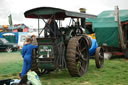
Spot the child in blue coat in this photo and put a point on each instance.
(27, 56)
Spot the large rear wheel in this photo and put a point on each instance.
(77, 56)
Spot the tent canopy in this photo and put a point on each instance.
(106, 28)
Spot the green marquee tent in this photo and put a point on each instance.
(106, 28)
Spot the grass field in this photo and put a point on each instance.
(115, 72)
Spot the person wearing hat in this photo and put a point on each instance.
(27, 56)
(34, 41)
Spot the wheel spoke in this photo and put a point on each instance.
(80, 51)
(81, 68)
(83, 49)
(80, 55)
(80, 42)
(83, 59)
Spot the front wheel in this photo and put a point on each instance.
(99, 58)
(8, 49)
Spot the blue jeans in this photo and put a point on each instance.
(26, 65)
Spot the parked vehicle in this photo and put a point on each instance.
(61, 47)
(15, 37)
(5, 45)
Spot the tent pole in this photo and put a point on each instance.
(117, 18)
(38, 26)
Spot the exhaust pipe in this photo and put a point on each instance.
(83, 20)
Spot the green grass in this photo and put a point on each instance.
(115, 72)
(10, 64)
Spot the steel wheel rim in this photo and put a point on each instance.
(81, 56)
(9, 50)
(99, 57)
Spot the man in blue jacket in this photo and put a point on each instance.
(27, 56)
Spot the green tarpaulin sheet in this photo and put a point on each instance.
(106, 29)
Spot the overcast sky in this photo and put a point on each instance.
(18, 7)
